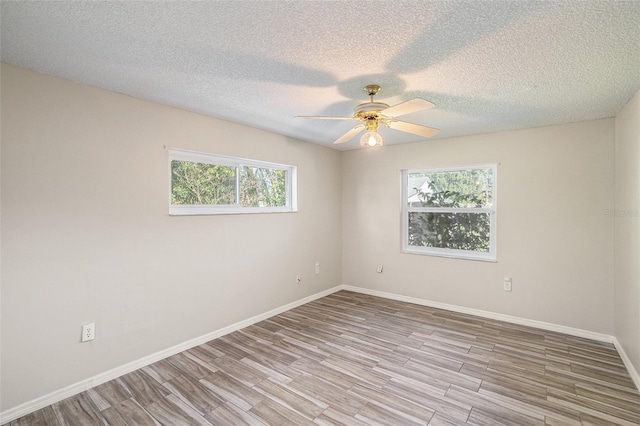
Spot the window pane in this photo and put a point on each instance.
(460, 231)
(202, 184)
(262, 187)
(452, 189)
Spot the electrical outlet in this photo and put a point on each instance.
(88, 332)
(317, 268)
(506, 284)
(298, 279)
(379, 269)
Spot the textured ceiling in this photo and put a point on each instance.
(488, 66)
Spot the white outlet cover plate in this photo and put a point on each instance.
(88, 332)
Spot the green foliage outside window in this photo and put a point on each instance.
(212, 184)
(262, 187)
(201, 183)
(464, 230)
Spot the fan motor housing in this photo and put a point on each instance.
(369, 110)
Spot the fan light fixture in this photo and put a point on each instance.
(371, 139)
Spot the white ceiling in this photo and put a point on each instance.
(487, 65)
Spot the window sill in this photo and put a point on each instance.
(207, 211)
(460, 255)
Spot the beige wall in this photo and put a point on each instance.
(627, 230)
(554, 239)
(86, 234)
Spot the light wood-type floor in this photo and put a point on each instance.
(354, 359)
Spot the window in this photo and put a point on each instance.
(450, 212)
(212, 184)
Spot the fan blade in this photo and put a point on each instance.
(351, 133)
(413, 105)
(416, 129)
(306, 117)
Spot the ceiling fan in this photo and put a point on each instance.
(374, 113)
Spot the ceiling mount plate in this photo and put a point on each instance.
(372, 89)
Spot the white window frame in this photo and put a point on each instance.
(489, 256)
(291, 203)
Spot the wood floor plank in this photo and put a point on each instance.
(572, 378)
(239, 370)
(228, 349)
(451, 409)
(355, 359)
(229, 414)
(626, 399)
(439, 419)
(273, 352)
(621, 378)
(261, 335)
(480, 360)
(424, 357)
(501, 408)
(399, 406)
(187, 365)
(329, 394)
(273, 413)
(331, 417)
(443, 374)
(480, 417)
(206, 353)
(356, 372)
(162, 370)
(286, 397)
(100, 403)
(194, 393)
(493, 377)
(379, 415)
(325, 372)
(128, 412)
(536, 403)
(271, 368)
(113, 391)
(79, 410)
(608, 363)
(594, 408)
(172, 411)
(143, 387)
(405, 374)
(377, 348)
(301, 349)
(227, 388)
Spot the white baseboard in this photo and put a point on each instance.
(60, 394)
(627, 362)
(486, 314)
